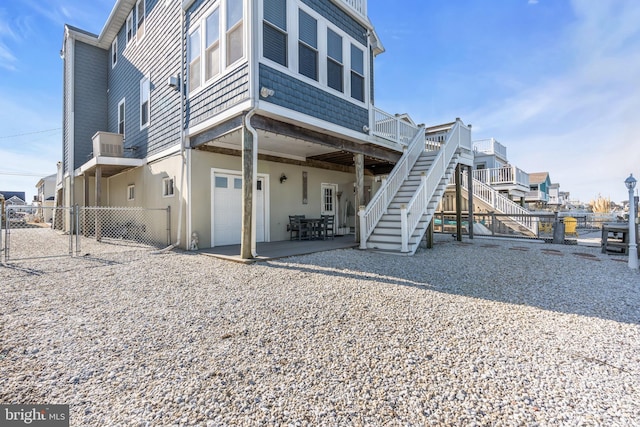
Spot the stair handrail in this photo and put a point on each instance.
(502, 204)
(411, 214)
(371, 214)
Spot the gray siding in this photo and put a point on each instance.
(339, 18)
(299, 96)
(90, 99)
(219, 96)
(158, 56)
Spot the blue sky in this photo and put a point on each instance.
(556, 81)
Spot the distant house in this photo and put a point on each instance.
(239, 114)
(45, 199)
(539, 186)
(16, 198)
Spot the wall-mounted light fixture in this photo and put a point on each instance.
(174, 82)
(265, 92)
(283, 178)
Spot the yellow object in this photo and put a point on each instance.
(545, 227)
(570, 224)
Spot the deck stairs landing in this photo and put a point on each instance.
(397, 217)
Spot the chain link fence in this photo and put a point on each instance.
(28, 232)
(504, 225)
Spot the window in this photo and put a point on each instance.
(145, 108)
(114, 52)
(194, 60)
(129, 27)
(121, 118)
(221, 182)
(357, 73)
(307, 46)
(274, 31)
(235, 45)
(335, 68)
(167, 187)
(140, 12)
(131, 192)
(212, 52)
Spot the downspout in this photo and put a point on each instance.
(182, 137)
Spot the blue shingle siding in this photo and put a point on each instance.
(296, 95)
(156, 55)
(90, 98)
(340, 18)
(222, 95)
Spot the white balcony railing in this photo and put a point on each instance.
(508, 175)
(490, 146)
(359, 6)
(393, 128)
(536, 196)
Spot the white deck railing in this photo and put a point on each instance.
(377, 207)
(490, 146)
(502, 204)
(459, 137)
(393, 128)
(359, 6)
(505, 176)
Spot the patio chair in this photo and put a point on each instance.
(297, 227)
(328, 224)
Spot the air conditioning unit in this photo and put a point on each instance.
(106, 144)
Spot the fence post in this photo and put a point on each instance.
(493, 223)
(168, 225)
(77, 229)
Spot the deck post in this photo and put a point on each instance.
(359, 163)
(247, 192)
(98, 202)
(470, 198)
(430, 234)
(458, 204)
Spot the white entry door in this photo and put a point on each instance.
(329, 204)
(226, 227)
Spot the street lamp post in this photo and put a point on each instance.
(633, 248)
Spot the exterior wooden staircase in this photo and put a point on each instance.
(397, 217)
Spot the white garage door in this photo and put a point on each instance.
(227, 209)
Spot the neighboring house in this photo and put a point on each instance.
(492, 167)
(205, 106)
(556, 198)
(15, 198)
(45, 199)
(539, 186)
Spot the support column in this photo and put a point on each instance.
(247, 192)
(86, 203)
(458, 204)
(470, 198)
(98, 202)
(358, 159)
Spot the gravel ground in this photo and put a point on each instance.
(484, 333)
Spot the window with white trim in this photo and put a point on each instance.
(357, 73)
(219, 37)
(140, 14)
(235, 42)
(114, 52)
(322, 52)
(131, 192)
(129, 27)
(212, 45)
(307, 45)
(274, 31)
(167, 187)
(121, 118)
(335, 67)
(194, 60)
(145, 104)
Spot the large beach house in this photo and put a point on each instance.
(240, 113)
